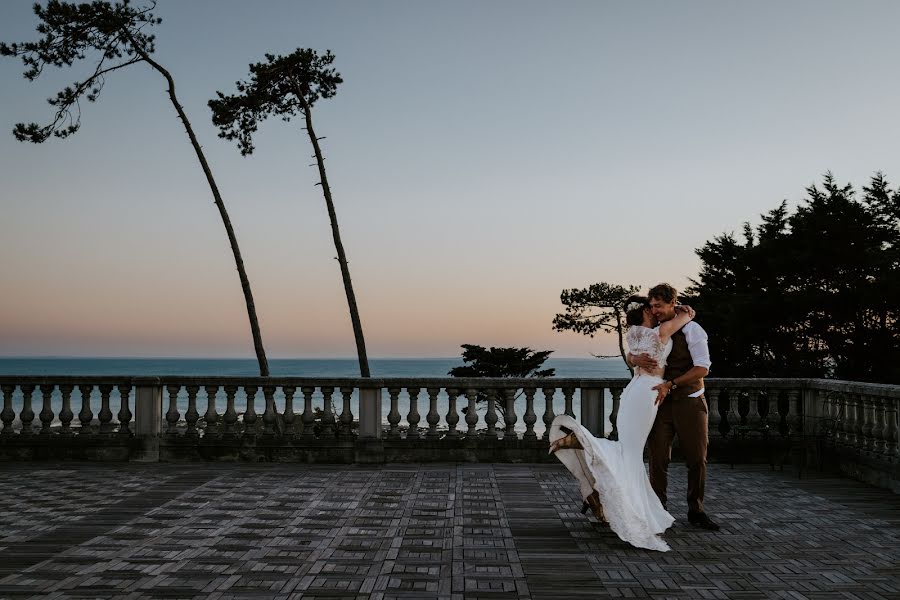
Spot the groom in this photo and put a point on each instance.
(683, 410)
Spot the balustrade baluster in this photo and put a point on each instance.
(782, 410)
(346, 430)
(192, 415)
(878, 430)
(230, 417)
(328, 422)
(394, 414)
(413, 417)
(249, 419)
(530, 417)
(308, 417)
(85, 416)
(856, 407)
(828, 414)
(844, 418)
(892, 425)
(832, 411)
(510, 418)
(773, 417)
(614, 415)
(860, 422)
(839, 410)
(854, 432)
(124, 415)
(491, 418)
(729, 418)
(66, 415)
(568, 394)
(289, 416)
(868, 426)
(712, 404)
(105, 415)
(471, 411)
(172, 415)
(211, 417)
(46, 415)
(8, 415)
(433, 417)
(269, 417)
(794, 418)
(452, 414)
(549, 415)
(754, 418)
(742, 408)
(27, 414)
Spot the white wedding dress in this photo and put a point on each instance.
(615, 469)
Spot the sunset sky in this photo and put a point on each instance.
(483, 156)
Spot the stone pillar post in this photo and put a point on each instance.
(370, 413)
(592, 410)
(147, 417)
(369, 445)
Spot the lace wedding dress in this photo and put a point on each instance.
(615, 469)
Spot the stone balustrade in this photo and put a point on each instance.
(412, 419)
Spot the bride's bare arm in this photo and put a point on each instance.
(684, 316)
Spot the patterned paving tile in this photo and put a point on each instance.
(454, 532)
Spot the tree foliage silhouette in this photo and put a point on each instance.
(115, 36)
(809, 293)
(501, 362)
(599, 307)
(285, 86)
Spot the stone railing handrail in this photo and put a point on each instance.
(838, 385)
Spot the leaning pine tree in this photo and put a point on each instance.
(115, 34)
(285, 86)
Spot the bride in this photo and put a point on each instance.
(612, 475)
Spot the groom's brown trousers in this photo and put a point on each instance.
(688, 418)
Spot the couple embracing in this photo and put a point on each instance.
(664, 398)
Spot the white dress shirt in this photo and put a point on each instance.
(697, 342)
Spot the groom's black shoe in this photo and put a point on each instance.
(700, 519)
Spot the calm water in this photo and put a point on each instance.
(418, 367)
(284, 367)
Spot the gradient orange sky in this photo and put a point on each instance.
(482, 156)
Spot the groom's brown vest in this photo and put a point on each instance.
(679, 363)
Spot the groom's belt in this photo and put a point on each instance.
(688, 390)
(685, 390)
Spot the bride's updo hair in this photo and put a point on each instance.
(634, 315)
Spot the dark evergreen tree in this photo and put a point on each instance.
(808, 294)
(501, 362)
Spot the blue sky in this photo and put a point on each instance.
(483, 156)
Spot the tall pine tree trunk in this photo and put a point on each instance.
(341, 257)
(239, 262)
(619, 330)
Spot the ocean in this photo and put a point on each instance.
(326, 368)
(284, 367)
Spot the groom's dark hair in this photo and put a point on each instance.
(664, 292)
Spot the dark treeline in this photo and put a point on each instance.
(809, 293)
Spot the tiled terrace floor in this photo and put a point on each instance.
(426, 531)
